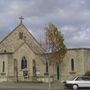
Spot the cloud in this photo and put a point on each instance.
(76, 37)
(72, 17)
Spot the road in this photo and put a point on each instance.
(33, 86)
(34, 89)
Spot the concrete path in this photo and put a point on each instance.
(33, 86)
(36, 86)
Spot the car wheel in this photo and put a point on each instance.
(75, 87)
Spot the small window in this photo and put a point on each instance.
(46, 67)
(72, 64)
(3, 67)
(20, 35)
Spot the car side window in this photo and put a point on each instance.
(86, 78)
(83, 79)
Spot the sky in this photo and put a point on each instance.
(72, 17)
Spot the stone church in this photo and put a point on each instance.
(20, 59)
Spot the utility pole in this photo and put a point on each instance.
(17, 74)
(49, 82)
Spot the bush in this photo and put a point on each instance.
(87, 73)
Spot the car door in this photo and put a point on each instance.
(84, 82)
(80, 81)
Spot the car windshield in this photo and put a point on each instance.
(74, 78)
(79, 79)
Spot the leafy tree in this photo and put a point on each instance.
(54, 43)
(54, 46)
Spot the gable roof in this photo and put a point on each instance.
(9, 34)
(36, 48)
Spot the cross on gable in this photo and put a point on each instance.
(21, 18)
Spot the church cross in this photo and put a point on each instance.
(21, 18)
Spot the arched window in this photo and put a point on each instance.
(46, 67)
(72, 64)
(23, 63)
(3, 67)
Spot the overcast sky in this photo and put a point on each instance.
(72, 17)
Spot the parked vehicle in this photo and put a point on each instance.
(78, 82)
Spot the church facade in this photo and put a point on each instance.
(20, 59)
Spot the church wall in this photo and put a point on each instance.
(87, 60)
(30, 48)
(66, 68)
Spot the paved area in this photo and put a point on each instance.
(33, 86)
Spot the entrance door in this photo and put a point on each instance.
(57, 71)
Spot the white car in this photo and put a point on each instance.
(78, 82)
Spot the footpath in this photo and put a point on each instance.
(54, 85)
